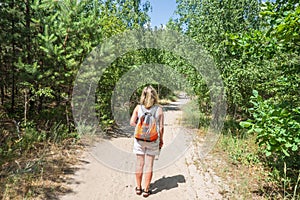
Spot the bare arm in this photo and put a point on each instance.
(134, 116)
(161, 126)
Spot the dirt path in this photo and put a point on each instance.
(185, 178)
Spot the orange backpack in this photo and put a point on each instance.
(146, 128)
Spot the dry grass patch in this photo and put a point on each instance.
(41, 172)
(236, 162)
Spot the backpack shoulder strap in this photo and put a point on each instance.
(153, 111)
(143, 109)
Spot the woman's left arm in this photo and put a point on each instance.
(161, 127)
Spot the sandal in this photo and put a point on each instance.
(138, 191)
(146, 193)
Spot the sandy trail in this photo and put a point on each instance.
(184, 178)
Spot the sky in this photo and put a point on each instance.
(162, 10)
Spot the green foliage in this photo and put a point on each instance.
(241, 150)
(277, 126)
(50, 40)
(256, 47)
(276, 120)
(192, 117)
(220, 28)
(42, 45)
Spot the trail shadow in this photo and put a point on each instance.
(176, 105)
(171, 107)
(122, 130)
(166, 183)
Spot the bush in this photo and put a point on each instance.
(277, 126)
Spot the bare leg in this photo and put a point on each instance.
(140, 160)
(148, 171)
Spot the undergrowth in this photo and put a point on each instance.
(34, 164)
(249, 173)
(245, 167)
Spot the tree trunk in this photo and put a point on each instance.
(14, 56)
(2, 89)
(28, 32)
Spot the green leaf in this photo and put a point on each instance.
(245, 124)
(295, 147)
(255, 93)
(268, 153)
(258, 130)
(285, 153)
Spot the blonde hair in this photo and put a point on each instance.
(149, 97)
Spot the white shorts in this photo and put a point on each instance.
(149, 148)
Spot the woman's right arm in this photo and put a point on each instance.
(134, 116)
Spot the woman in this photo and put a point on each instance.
(146, 151)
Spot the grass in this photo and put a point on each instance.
(239, 161)
(193, 117)
(234, 158)
(241, 169)
(167, 100)
(40, 173)
(248, 173)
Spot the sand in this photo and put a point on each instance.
(178, 174)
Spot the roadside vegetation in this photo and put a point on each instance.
(255, 47)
